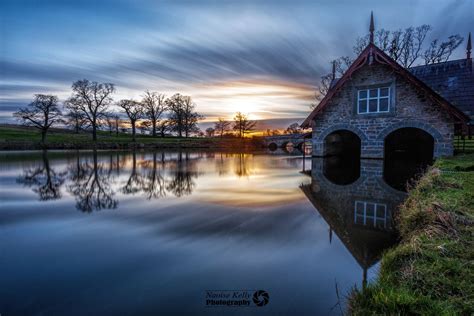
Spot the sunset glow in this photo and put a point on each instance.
(263, 60)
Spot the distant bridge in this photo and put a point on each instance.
(288, 140)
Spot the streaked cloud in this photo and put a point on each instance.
(261, 57)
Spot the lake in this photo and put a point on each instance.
(148, 233)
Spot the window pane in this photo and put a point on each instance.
(362, 94)
(373, 93)
(360, 208)
(383, 105)
(373, 105)
(381, 210)
(370, 210)
(363, 106)
(384, 92)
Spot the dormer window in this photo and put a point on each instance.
(376, 100)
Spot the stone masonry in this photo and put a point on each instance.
(409, 108)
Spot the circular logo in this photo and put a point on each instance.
(261, 298)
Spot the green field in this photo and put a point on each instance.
(431, 271)
(19, 137)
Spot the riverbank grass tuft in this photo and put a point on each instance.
(432, 270)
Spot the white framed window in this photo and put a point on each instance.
(376, 100)
(371, 214)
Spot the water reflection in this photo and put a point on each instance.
(44, 180)
(400, 169)
(182, 177)
(183, 223)
(342, 169)
(358, 206)
(91, 184)
(94, 178)
(154, 185)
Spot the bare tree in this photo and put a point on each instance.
(134, 112)
(191, 117)
(163, 126)
(93, 99)
(242, 124)
(110, 122)
(323, 88)
(153, 107)
(144, 126)
(439, 52)
(221, 126)
(340, 66)
(210, 132)
(183, 119)
(404, 46)
(175, 105)
(42, 113)
(293, 128)
(117, 123)
(75, 117)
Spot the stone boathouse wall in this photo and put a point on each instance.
(409, 108)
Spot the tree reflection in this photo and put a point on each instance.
(90, 185)
(221, 165)
(46, 182)
(135, 180)
(241, 165)
(154, 184)
(182, 182)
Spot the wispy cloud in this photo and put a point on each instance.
(258, 56)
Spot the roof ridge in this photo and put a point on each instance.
(374, 54)
(440, 63)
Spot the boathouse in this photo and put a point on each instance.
(378, 106)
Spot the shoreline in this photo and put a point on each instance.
(25, 146)
(14, 138)
(430, 271)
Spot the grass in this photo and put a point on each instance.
(23, 135)
(431, 272)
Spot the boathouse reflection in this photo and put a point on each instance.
(357, 204)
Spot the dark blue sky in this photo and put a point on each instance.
(261, 57)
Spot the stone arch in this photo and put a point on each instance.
(338, 127)
(439, 141)
(318, 171)
(414, 124)
(342, 142)
(272, 146)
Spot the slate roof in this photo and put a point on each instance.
(374, 54)
(453, 80)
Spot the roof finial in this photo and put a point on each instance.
(333, 69)
(371, 28)
(469, 46)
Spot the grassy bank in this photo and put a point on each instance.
(17, 137)
(431, 272)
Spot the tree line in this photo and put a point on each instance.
(90, 108)
(241, 125)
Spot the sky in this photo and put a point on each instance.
(263, 58)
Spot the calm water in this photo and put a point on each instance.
(122, 233)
